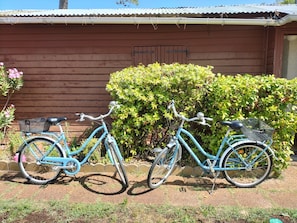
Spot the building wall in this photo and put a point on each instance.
(66, 67)
(280, 34)
(270, 50)
(289, 66)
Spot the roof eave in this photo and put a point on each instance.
(147, 20)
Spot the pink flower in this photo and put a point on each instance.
(16, 157)
(6, 113)
(1, 64)
(14, 73)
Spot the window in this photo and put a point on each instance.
(162, 54)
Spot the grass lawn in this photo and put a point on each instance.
(63, 211)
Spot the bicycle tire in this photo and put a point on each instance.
(256, 171)
(30, 163)
(118, 163)
(162, 167)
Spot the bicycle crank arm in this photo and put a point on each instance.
(63, 167)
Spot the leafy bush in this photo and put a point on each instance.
(11, 80)
(270, 99)
(145, 92)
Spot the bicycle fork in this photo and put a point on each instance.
(173, 143)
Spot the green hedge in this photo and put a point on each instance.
(265, 97)
(145, 91)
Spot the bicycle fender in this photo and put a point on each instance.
(244, 142)
(43, 137)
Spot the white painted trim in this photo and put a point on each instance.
(146, 20)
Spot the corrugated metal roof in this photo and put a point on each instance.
(236, 9)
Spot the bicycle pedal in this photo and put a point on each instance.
(157, 150)
(90, 163)
(55, 168)
(63, 167)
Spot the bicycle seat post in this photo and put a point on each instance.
(60, 128)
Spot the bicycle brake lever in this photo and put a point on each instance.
(204, 123)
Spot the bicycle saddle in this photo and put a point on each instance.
(236, 125)
(54, 120)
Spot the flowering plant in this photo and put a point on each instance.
(11, 80)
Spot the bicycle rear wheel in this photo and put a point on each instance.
(252, 165)
(162, 167)
(118, 163)
(30, 160)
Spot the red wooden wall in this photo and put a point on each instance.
(66, 67)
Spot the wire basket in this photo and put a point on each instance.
(257, 130)
(34, 125)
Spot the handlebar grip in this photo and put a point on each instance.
(113, 104)
(81, 117)
(199, 116)
(170, 105)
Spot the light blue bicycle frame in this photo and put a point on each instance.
(213, 161)
(62, 161)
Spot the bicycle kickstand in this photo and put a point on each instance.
(213, 184)
(214, 174)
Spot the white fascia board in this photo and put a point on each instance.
(146, 20)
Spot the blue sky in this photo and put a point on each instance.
(87, 4)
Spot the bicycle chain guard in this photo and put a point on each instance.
(71, 166)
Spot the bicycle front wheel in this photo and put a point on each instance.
(162, 167)
(249, 164)
(118, 163)
(31, 163)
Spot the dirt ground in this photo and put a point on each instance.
(177, 191)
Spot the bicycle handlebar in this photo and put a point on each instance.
(200, 116)
(112, 105)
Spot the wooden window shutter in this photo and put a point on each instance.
(144, 55)
(162, 54)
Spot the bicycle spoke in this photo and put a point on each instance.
(249, 164)
(162, 167)
(31, 164)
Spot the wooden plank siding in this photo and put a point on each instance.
(66, 67)
(270, 50)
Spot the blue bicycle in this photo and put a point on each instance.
(245, 159)
(42, 157)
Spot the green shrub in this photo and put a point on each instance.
(265, 97)
(145, 92)
(11, 80)
(15, 140)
